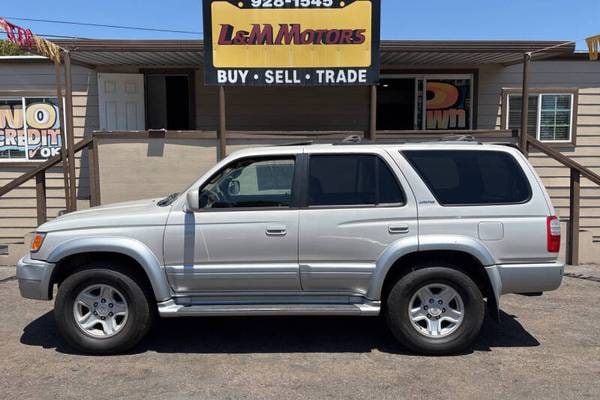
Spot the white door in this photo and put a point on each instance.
(121, 102)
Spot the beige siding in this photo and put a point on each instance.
(163, 167)
(18, 208)
(585, 76)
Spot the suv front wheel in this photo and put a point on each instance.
(435, 310)
(102, 311)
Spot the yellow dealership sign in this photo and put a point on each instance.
(291, 42)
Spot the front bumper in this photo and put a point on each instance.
(525, 278)
(34, 278)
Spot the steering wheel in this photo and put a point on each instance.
(209, 198)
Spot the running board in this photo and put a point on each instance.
(171, 309)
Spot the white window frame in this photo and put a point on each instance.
(424, 78)
(539, 114)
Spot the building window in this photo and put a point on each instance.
(30, 129)
(550, 116)
(169, 101)
(425, 102)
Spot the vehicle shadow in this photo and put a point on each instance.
(278, 335)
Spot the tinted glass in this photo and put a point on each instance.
(471, 177)
(351, 180)
(251, 183)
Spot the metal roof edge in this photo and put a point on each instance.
(385, 45)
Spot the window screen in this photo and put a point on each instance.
(555, 117)
(351, 180)
(467, 177)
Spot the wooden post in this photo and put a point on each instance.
(69, 132)
(525, 104)
(94, 173)
(222, 131)
(40, 194)
(373, 115)
(63, 145)
(573, 233)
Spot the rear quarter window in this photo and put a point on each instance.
(471, 177)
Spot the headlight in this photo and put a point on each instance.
(38, 240)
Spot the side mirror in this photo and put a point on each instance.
(193, 200)
(233, 188)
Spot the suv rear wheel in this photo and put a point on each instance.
(102, 311)
(435, 310)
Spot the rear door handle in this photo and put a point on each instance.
(276, 230)
(397, 229)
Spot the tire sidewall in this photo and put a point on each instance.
(398, 318)
(138, 318)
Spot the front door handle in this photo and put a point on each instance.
(276, 230)
(397, 229)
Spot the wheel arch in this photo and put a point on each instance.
(468, 254)
(125, 249)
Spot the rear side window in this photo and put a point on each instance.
(467, 177)
(351, 179)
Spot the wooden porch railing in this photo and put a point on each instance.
(39, 173)
(577, 171)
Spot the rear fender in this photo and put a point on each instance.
(405, 246)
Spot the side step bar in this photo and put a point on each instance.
(171, 309)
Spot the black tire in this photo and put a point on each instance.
(398, 318)
(139, 319)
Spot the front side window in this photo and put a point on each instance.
(549, 117)
(470, 177)
(251, 183)
(351, 179)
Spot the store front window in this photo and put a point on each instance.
(29, 128)
(425, 102)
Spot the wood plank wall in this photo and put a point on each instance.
(18, 208)
(317, 109)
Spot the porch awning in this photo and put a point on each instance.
(396, 52)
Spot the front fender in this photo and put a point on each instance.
(405, 246)
(126, 246)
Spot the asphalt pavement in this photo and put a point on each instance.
(543, 347)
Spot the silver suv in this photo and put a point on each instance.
(419, 233)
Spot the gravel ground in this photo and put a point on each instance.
(544, 347)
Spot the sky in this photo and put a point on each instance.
(433, 19)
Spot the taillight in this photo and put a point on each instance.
(553, 234)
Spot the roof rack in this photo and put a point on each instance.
(457, 138)
(304, 143)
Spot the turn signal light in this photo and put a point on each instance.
(553, 234)
(37, 241)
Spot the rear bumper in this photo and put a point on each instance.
(34, 278)
(525, 278)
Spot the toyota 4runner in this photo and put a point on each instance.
(426, 235)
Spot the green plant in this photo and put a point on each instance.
(10, 49)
